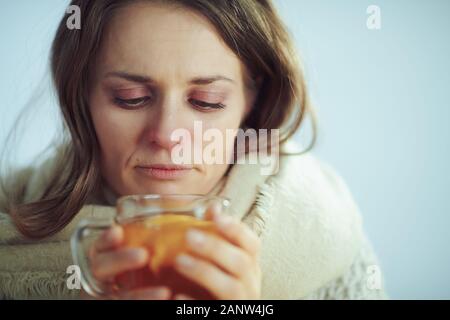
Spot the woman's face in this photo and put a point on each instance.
(161, 68)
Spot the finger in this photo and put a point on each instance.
(110, 239)
(238, 233)
(212, 210)
(227, 256)
(156, 293)
(109, 264)
(181, 296)
(220, 284)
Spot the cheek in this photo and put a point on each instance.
(223, 138)
(117, 133)
(231, 116)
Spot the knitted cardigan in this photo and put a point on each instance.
(313, 242)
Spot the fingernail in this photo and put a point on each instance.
(139, 254)
(162, 292)
(223, 221)
(216, 208)
(114, 232)
(184, 260)
(195, 237)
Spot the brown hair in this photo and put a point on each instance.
(251, 28)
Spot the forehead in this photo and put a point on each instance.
(164, 40)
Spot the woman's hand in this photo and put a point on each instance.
(109, 258)
(229, 268)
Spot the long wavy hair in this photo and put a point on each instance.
(252, 29)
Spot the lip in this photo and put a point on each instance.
(164, 171)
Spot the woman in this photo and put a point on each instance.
(136, 72)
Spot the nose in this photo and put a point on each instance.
(162, 122)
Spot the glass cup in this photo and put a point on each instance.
(157, 223)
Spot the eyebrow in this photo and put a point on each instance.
(144, 79)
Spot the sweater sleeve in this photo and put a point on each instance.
(32, 269)
(362, 281)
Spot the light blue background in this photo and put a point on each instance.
(383, 104)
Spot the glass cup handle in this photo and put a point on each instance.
(91, 285)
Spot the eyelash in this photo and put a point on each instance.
(138, 102)
(128, 103)
(203, 104)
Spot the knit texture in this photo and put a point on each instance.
(356, 282)
(313, 243)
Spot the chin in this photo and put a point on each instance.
(163, 188)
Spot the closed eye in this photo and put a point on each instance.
(206, 105)
(138, 102)
(131, 103)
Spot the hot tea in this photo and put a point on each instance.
(159, 224)
(164, 238)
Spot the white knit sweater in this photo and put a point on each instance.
(313, 243)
